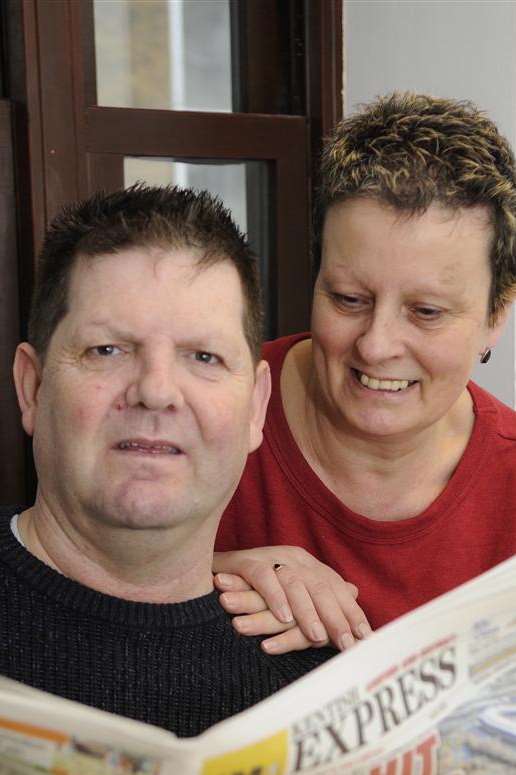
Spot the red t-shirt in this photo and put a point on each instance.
(399, 565)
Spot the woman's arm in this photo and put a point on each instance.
(303, 602)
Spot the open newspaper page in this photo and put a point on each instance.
(433, 692)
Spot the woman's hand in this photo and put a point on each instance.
(303, 602)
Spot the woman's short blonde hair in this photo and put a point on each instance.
(409, 150)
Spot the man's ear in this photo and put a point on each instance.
(27, 379)
(260, 400)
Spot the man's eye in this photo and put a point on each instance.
(347, 300)
(205, 357)
(105, 350)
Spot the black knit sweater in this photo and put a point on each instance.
(180, 666)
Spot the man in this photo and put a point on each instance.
(142, 388)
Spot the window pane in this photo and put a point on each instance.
(165, 54)
(244, 189)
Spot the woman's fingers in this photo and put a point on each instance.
(254, 618)
(305, 607)
(291, 640)
(354, 615)
(259, 574)
(340, 611)
(296, 588)
(262, 623)
(324, 606)
(229, 582)
(247, 602)
(334, 601)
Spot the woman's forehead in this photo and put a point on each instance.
(434, 252)
(358, 212)
(364, 228)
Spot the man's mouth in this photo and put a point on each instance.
(148, 447)
(374, 383)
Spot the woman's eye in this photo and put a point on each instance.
(205, 357)
(428, 313)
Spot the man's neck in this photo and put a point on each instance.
(170, 565)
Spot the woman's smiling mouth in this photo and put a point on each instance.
(390, 385)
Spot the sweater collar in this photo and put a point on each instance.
(72, 595)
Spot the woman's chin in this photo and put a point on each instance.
(382, 423)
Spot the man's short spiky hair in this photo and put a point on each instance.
(409, 150)
(140, 216)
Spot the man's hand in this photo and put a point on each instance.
(284, 591)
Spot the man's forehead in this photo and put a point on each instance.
(107, 290)
(151, 256)
(181, 265)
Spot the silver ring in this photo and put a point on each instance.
(278, 565)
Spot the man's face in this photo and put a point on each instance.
(149, 401)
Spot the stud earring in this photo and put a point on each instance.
(485, 355)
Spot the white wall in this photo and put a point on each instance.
(450, 48)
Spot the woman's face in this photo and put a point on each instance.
(400, 314)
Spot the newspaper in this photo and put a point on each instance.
(433, 692)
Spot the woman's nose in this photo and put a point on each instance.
(382, 338)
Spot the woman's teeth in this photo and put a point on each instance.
(383, 384)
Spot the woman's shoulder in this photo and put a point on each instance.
(491, 410)
(276, 350)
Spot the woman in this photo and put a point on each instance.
(380, 457)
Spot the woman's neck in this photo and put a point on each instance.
(381, 478)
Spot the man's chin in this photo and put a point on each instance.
(140, 511)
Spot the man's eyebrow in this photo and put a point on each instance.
(107, 326)
(208, 339)
(97, 323)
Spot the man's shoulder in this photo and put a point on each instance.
(10, 511)
(296, 664)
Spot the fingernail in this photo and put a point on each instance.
(241, 625)
(364, 630)
(346, 641)
(285, 614)
(224, 580)
(318, 632)
(271, 646)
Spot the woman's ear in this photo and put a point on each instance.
(497, 326)
(260, 400)
(27, 379)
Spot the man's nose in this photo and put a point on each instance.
(382, 338)
(156, 384)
